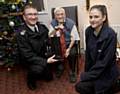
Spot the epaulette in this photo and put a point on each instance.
(23, 32)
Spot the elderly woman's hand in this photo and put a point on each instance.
(67, 52)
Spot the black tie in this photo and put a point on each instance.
(35, 29)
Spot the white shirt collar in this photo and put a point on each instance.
(32, 27)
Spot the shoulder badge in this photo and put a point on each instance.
(23, 32)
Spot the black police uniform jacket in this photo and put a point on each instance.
(100, 59)
(32, 47)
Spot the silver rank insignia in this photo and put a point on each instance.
(23, 32)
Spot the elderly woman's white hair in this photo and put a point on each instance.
(59, 9)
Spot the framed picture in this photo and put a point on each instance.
(87, 4)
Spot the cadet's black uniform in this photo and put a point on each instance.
(32, 47)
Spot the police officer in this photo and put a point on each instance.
(32, 40)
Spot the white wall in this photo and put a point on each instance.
(112, 5)
(113, 9)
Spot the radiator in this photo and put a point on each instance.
(117, 30)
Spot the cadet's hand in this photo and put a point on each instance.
(51, 59)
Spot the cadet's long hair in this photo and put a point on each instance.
(103, 10)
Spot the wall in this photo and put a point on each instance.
(83, 21)
(113, 9)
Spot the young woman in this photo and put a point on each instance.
(100, 56)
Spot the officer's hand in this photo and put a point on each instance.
(51, 59)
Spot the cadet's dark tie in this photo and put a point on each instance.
(35, 29)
